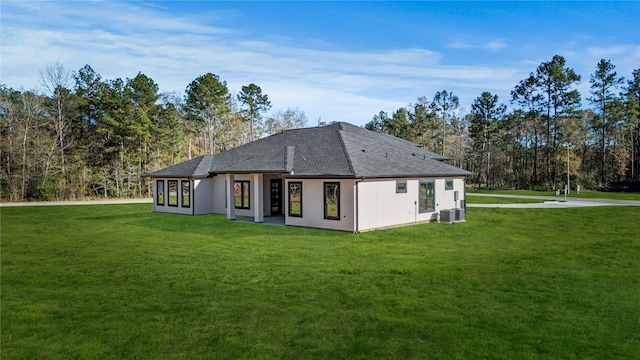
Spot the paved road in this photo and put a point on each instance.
(84, 202)
(553, 202)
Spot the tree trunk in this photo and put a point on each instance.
(535, 156)
(24, 160)
(484, 144)
(603, 146)
(210, 129)
(488, 168)
(106, 182)
(251, 124)
(444, 125)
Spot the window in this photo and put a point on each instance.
(332, 201)
(173, 192)
(295, 199)
(426, 196)
(401, 186)
(448, 184)
(241, 194)
(160, 192)
(186, 193)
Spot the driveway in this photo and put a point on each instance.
(552, 202)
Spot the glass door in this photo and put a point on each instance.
(276, 197)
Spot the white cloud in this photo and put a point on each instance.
(605, 52)
(491, 45)
(120, 39)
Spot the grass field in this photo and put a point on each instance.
(583, 194)
(122, 282)
(499, 200)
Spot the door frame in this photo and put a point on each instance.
(280, 201)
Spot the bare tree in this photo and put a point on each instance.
(56, 79)
(22, 142)
(292, 118)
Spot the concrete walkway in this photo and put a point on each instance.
(83, 202)
(552, 202)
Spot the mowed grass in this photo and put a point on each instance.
(499, 200)
(572, 194)
(122, 282)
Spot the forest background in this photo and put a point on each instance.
(82, 136)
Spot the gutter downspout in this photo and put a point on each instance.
(192, 188)
(355, 207)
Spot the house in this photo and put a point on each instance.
(339, 177)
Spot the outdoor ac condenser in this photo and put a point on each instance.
(447, 216)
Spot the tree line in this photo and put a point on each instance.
(86, 137)
(545, 140)
(89, 137)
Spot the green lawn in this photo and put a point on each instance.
(583, 194)
(499, 200)
(122, 282)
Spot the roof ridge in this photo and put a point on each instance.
(340, 130)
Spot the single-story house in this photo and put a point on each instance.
(339, 177)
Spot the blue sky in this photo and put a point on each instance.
(337, 61)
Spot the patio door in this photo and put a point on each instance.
(276, 197)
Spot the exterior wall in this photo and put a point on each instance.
(380, 206)
(377, 203)
(218, 195)
(203, 200)
(219, 205)
(165, 206)
(313, 205)
(445, 198)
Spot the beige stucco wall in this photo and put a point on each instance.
(379, 205)
(203, 196)
(376, 202)
(218, 195)
(218, 205)
(313, 205)
(445, 198)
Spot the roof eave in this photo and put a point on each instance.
(415, 175)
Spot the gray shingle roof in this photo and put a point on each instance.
(338, 150)
(198, 167)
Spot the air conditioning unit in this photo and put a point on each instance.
(459, 214)
(447, 216)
